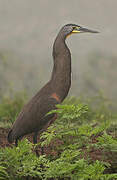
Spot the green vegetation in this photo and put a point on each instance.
(80, 145)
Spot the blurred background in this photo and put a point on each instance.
(27, 32)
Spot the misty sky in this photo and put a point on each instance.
(30, 26)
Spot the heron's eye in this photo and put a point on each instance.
(76, 28)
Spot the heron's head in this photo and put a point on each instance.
(73, 28)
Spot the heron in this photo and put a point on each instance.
(33, 118)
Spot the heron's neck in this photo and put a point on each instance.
(61, 75)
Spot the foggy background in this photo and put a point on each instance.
(27, 32)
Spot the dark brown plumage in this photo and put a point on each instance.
(33, 117)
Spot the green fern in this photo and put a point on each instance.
(3, 172)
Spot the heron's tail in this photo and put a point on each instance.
(10, 136)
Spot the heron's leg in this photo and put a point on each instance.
(16, 142)
(35, 141)
(35, 137)
(17, 139)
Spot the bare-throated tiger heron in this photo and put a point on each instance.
(33, 118)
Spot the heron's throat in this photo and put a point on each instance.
(61, 75)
